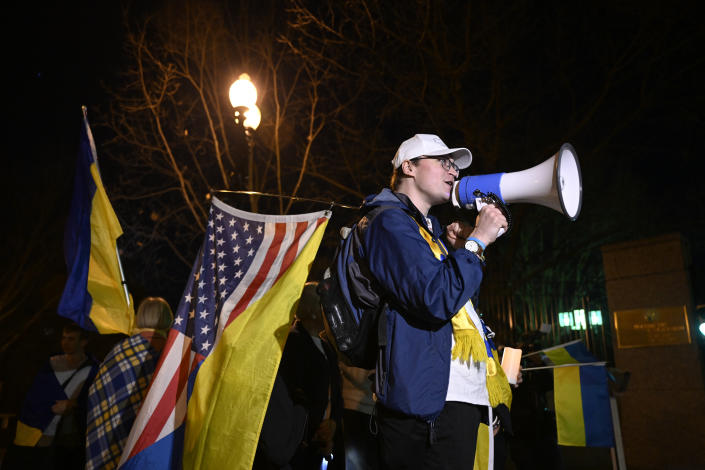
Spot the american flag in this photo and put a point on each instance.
(242, 256)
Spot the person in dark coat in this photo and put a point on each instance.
(302, 425)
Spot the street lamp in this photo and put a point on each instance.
(243, 98)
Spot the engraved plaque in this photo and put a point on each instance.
(652, 327)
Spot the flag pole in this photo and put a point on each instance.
(122, 276)
(293, 198)
(579, 364)
(552, 348)
(94, 153)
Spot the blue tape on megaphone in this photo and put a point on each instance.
(485, 183)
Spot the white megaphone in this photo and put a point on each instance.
(555, 183)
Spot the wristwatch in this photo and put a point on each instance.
(474, 247)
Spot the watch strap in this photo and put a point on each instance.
(482, 245)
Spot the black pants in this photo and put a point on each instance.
(448, 443)
(361, 452)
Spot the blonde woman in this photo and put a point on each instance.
(123, 378)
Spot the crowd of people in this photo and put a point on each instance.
(77, 413)
(437, 394)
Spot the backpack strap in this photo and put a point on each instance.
(78, 369)
(383, 304)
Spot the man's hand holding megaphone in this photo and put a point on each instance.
(488, 223)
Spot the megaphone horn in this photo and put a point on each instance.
(556, 183)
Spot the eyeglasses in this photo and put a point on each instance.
(446, 163)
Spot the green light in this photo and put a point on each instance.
(565, 319)
(595, 317)
(579, 317)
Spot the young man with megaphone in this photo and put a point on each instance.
(438, 375)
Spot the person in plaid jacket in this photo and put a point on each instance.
(115, 397)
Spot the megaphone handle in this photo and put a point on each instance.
(479, 204)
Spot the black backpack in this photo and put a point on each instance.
(353, 305)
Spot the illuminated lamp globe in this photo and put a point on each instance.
(252, 117)
(243, 92)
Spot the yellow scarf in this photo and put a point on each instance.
(470, 343)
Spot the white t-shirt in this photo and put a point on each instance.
(70, 389)
(467, 381)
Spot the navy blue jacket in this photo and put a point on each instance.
(423, 294)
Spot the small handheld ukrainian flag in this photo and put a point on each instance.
(95, 295)
(581, 396)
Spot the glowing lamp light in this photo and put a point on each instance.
(701, 328)
(243, 92)
(243, 96)
(252, 117)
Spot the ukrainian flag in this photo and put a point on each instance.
(94, 296)
(582, 402)
(581, 397)
(567, 353)
(36, 413)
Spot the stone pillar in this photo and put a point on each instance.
(662, 411)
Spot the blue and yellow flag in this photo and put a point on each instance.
(573, 352)
(207, 400)
(582, 404)
(581, 396)
(94, 296)
(36, 414)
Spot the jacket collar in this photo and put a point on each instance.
(387, 197)
(416, 213)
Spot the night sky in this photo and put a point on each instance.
(58, 55)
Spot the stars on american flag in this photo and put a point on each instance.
(217, 274)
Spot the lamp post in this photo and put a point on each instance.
(243, 98)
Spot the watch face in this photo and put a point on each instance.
(472, 245)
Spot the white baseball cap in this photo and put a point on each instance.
(430, 145)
